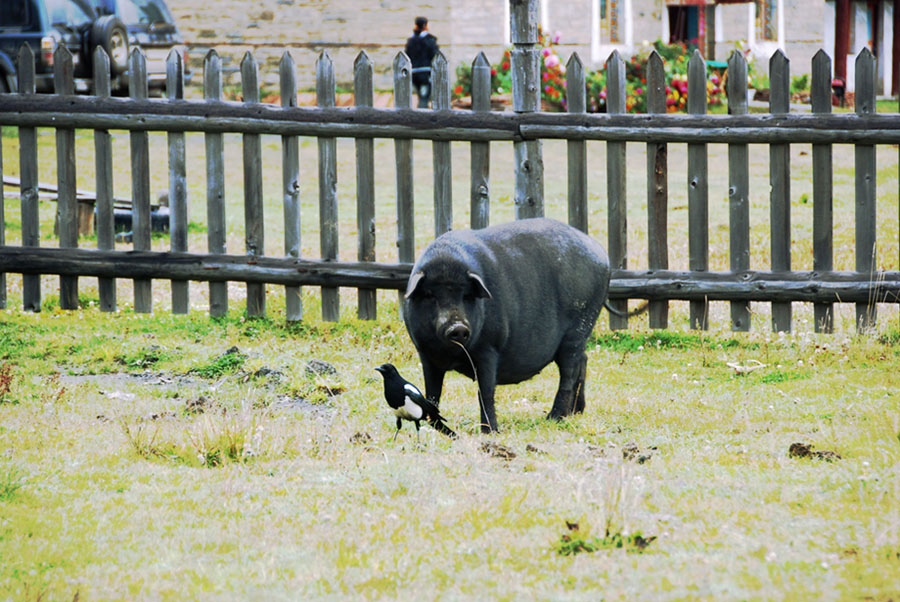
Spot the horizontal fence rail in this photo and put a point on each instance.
(747, 285)
(411, 124)
(526, 126)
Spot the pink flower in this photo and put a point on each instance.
(546, 52)
(556, 37)
(551, 61)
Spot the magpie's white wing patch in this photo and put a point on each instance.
(409, 410)
(412, 390)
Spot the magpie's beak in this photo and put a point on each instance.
(380, 369)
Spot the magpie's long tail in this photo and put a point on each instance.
(441, 427)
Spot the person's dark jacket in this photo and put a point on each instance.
(421, 48)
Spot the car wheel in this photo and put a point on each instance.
(109, 34)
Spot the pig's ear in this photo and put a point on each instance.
(414, 281)
(481, 289)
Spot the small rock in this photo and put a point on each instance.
(805, 450)
(196, 406)
(362, 438)
(317, 367)
(631, 451)
(535, 450)
(497, 450)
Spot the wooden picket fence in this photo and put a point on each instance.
(525, 126)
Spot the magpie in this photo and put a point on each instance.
(409, 403)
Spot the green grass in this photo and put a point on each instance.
(675, 483)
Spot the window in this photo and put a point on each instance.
(69, 13)
(15, 13)
(766, 20)
(609, 21)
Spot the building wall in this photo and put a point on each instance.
(463, 27)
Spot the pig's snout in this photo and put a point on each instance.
(457, 332)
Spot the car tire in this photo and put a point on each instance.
(110, 34)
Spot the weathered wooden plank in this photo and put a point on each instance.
(178, 203)
(290, 175)
(105, 224)
(738, 187)
(823, 218)
(525, 71)
(215, 183)
(328, 202)
(406, 238)
(528, 157)
(28, 187)
(364, 96)
(480, 152)
(780, 185)
(698, 190)
(657, 188)
(749, 285)
(443, 180)
(254, 222)
(66, 203)
(616, 177)
(577, 149)
(194, 115)
(866, 313)
(140, 180)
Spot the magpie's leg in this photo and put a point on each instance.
(399, 424)
(417, 431)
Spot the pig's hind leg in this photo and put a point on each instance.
(572, 363)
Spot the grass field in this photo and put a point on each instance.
(178, 457)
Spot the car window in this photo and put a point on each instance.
(15, 13)
(143, 11)
(67, 12)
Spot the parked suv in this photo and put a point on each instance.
(81, 26)
(46, 24)
(151, 26)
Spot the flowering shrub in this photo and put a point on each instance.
(553, 81)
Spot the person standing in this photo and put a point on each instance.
(421, 48)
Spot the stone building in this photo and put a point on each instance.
(594, 28)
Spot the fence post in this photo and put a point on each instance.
(866, 313)
(328, 209)
(364, 96)
(657, 188)
(28, 188)
(105, 223)
(698, 189)
(66, 203)
(525, 60)
(443, 179)
(215, 183)
(254, 222)
(406, 238)
(178, 205)
(480, 152)
(576, 102)
(616, 175)
(823, 220)
(738, 187)
(290, 177)
(140, 180)
(780, 185)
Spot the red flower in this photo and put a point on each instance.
(493, 72)
(505, 66)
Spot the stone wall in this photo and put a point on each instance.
(268, 28)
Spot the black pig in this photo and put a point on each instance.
(517, 296)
